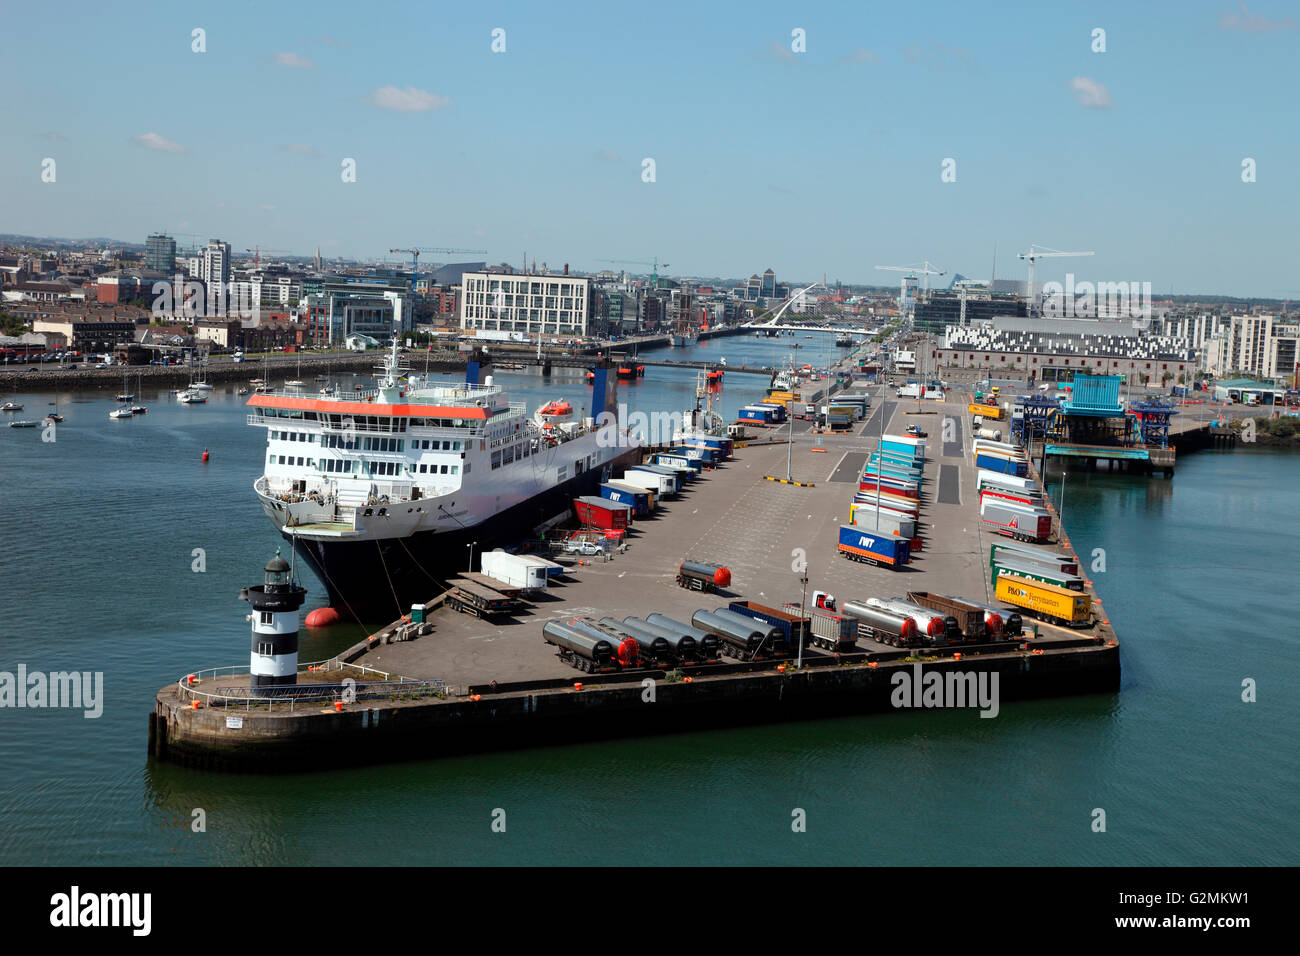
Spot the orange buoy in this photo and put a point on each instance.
(956, 657)
(476, 697)
(780, 668)
(195, 704)
(323, 617)
(577, 685)
(688, 679)
(872, 664)
(189, 679)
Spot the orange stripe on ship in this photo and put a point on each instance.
(366, 408)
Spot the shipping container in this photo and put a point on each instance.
(603, 512)
(672, 473)
(725, 445)
(513, 570)
(985, 411)
(1000, 623)
(1019, 497)
(1026, 554)
(679, 462)
(1006, 466)
(834, 632)
(795, 628)
(638, 498)
(1038, 572)
(903, 487)
(1045, 601)
(970, 617)
(553, 570)
(661, 485)
(888, 550)
(1012, 482)
(888, 499)
(1023, 522)
(883, 520)
(907, 444)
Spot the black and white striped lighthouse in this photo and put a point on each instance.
(274, 660)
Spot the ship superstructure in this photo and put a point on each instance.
(385, 491)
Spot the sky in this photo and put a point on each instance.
(807, 137)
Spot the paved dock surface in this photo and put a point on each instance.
(761, 530)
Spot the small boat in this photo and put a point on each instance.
(11, 407)
(256, 381)
(53, 417)
(293, 383)
(138, 409)
(123, 412)
(557, 412)
(22, 424)
(194, 398)
(242, 391)
(125, 397)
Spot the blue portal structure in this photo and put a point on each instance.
(1031, 418)
(1153, 422)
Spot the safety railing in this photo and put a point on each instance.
(193, 688)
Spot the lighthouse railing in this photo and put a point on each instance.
(197, 686)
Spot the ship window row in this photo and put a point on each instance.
(365, 443)
(507, 455)
(441, 423)
(291, 460)
(428, 445)
(292, 436)
(437, 470)
(366, 423)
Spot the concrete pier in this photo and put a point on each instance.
(505, 687)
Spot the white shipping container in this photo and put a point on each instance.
(514, 570)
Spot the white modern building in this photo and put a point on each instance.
(215, 263)
(529, 304)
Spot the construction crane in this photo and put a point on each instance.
(1042, 252)
(414, 253)
(911, 272)
(655, 265)
(257, 254)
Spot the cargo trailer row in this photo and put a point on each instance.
(933, 620)
(1024, 554)
(1046, 601)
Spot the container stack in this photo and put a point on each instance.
(888, 500)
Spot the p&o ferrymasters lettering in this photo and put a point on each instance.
(75, 909)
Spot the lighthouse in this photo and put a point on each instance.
(275, 603)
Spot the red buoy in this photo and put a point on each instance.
(205, 454)
(322, 617)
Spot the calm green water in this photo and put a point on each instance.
(95, 574)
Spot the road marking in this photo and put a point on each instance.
(837, 465)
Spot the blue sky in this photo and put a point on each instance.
(826, 161)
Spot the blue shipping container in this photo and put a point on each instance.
(889, 550)
(639, 500)
(1003, 466)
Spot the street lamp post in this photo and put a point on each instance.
(803, 598)
(471, 555)
(1062, 515)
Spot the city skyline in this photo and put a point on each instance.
(813, 141)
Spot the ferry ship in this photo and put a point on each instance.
(384, 492)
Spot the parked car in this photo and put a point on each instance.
(582, 547)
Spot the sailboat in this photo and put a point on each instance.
(125, 396)
(123, 410)
(138, 409)
(54, 416)
(295, 382)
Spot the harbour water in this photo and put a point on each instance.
(107, 526)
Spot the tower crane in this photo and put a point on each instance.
(655, 265)
(1042, 252)
(414, 253)
(911, 272)
(257, 254)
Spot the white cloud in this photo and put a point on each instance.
(303, 149)
(409, 100)
(154, 141)
(610, 155)
(1091, 94)
(294, 60)
(862, 56)
(1253, 22)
